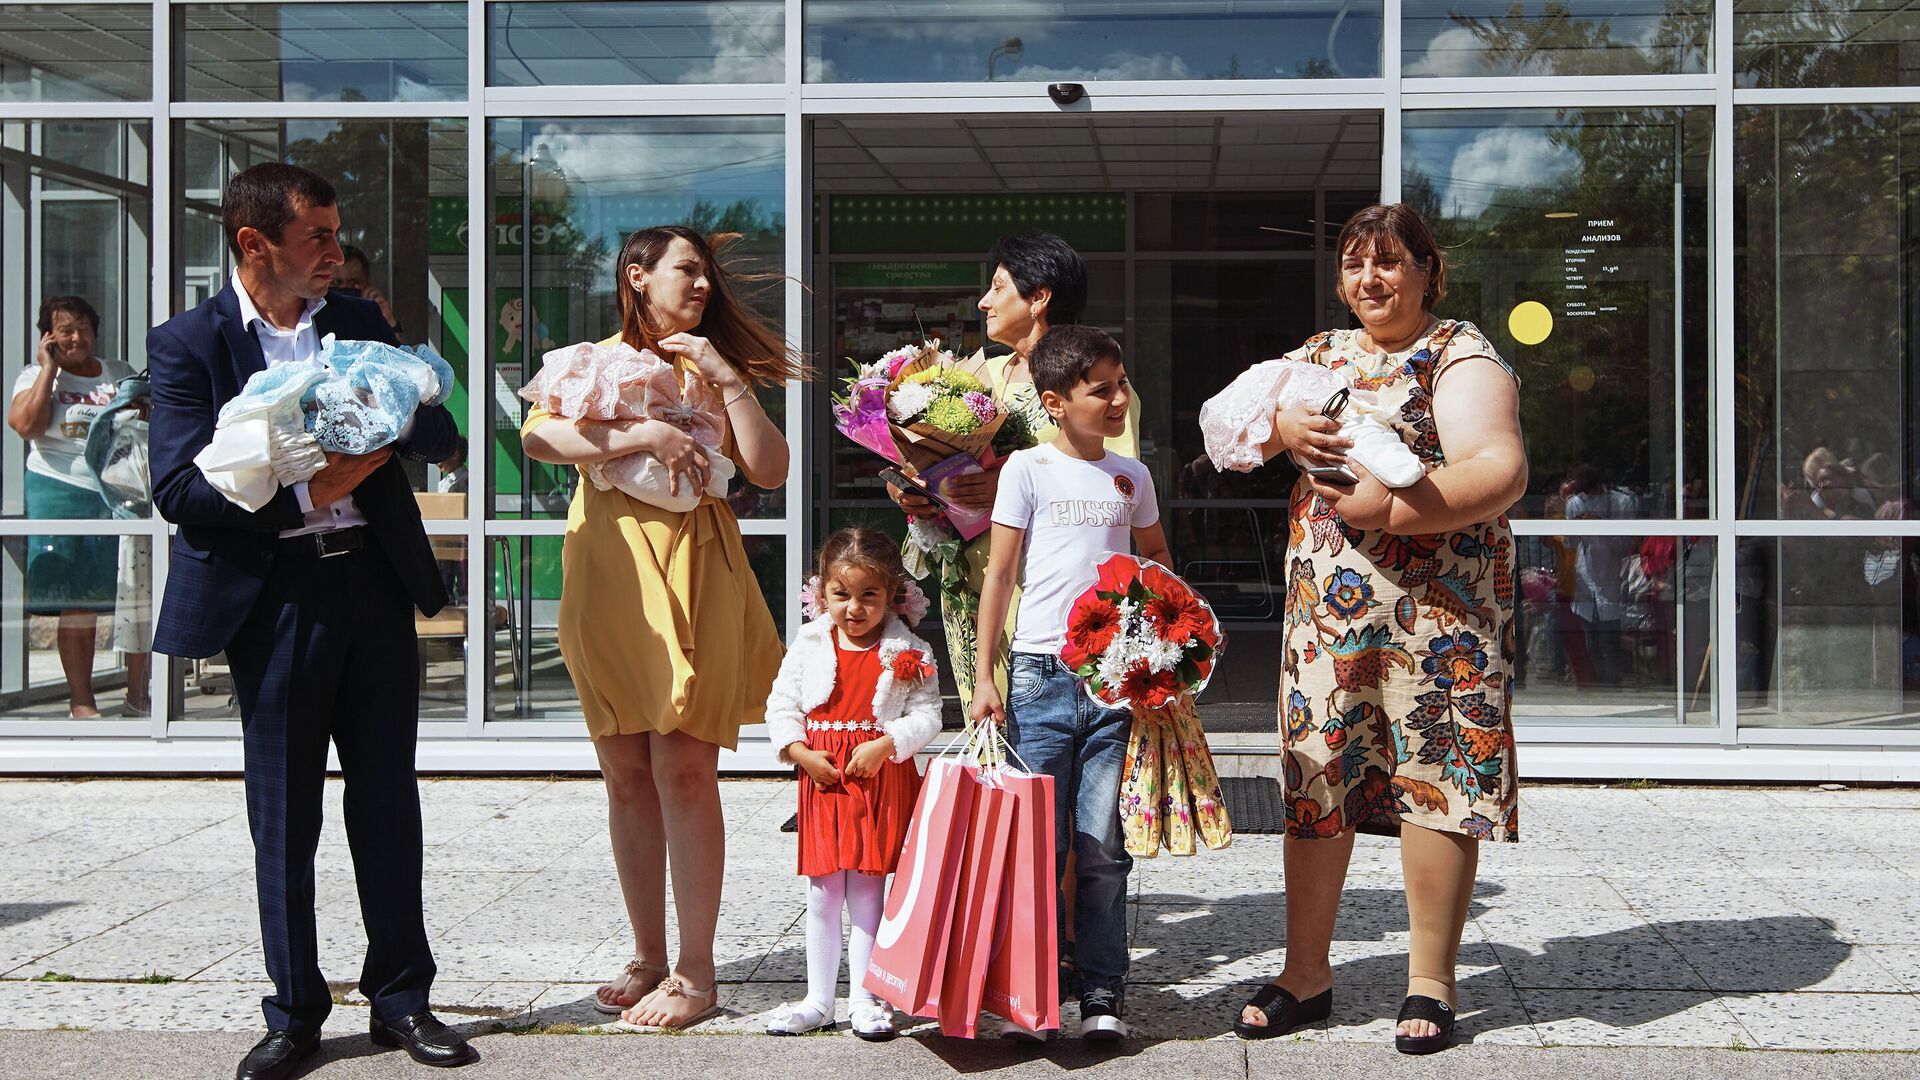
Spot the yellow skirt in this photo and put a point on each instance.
(662, 623)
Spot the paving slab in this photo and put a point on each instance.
(1688, 937)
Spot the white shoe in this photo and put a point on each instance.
(871, 1020)
(1013, 1032)
(799, 1018)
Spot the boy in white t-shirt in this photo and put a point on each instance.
(1060, 506)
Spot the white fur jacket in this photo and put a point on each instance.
(910, 712)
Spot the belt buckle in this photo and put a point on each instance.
(320, 543)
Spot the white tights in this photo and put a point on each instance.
(863, 896)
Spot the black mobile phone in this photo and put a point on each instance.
(907, 483)
(1333, 474)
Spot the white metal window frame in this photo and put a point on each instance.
(1724, 750)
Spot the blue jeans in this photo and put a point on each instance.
(1057, 730)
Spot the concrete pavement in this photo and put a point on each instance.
(1710, 920)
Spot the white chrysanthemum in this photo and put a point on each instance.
(1127, 608)
(1163, 655)
(908, 400)
(928, 533)
(1113, 668)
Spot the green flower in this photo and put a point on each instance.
(952, 414)
(1014, 434)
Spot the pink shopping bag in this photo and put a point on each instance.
(910, 948)
(970, 944)
(1023, 978)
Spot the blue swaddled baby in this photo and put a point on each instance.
(355, 398)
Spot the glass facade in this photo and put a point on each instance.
(1690, 225)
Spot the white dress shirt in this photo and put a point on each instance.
(284, 347)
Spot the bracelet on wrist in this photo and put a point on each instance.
(744, 391)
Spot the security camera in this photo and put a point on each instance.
(1066, 93)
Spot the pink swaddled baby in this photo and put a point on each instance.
(618, 382)
(1238, 421)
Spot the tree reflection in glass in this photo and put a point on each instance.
(1580, 240)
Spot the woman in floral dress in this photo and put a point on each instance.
(1394, 690)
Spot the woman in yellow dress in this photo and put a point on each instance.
(662, 623)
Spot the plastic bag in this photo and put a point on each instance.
(116, 450)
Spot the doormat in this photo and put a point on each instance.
(1255, 804)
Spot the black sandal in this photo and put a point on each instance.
(1433, 1010)
(1292, 1015)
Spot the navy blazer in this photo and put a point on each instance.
(222, 553)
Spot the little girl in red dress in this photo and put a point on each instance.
(856, 697)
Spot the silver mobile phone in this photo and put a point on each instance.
(1333, 474)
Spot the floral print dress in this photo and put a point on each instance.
(1395, 692)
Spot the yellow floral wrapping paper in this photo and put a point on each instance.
(1169, 792)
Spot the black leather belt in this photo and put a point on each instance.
(324, 545)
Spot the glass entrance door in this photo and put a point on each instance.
(1208, 244)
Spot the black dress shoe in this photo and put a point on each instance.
(276, 1056)
(427, 1041)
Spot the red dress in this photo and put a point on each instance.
(857, 824)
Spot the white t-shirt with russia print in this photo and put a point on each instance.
(1073, 511)
(60, 450)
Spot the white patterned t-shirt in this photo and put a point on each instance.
(1073, 512)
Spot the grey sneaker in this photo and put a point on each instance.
(1100, 1016)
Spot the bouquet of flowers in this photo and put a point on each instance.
(1141, 638)
(920, 407)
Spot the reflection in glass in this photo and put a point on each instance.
(443, 637)
(859, 41)
(1580, 247)
(566, 193)
(1827, 324)
(402, 188)
(84, 52)
(1828, 631)
(530, 678)
(1818, 43)
(77, 614)
(1208, 321)
(203, 689)
(616, 42)
(78, 228)
(1476, 38)
(321, 52)
(1614, 630)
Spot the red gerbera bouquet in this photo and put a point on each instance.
(1140, 636)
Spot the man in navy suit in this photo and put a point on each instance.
(312, 598)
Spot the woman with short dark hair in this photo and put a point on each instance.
(1039, 281)
(1394, 692)
(55, 401)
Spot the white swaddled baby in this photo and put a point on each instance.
(618, 382)
(1238, 421)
